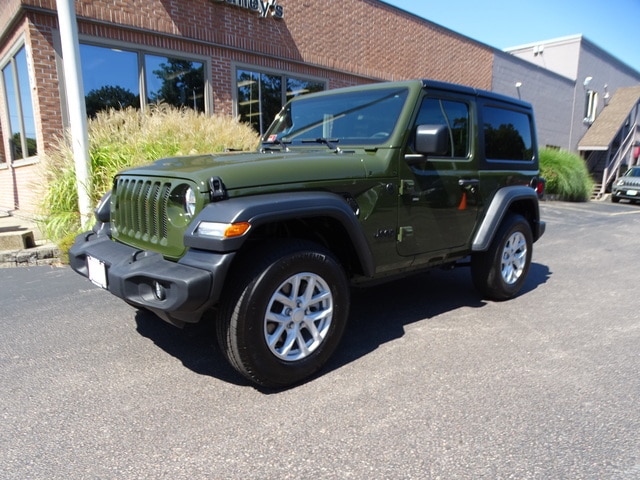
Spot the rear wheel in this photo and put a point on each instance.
(500, 272)
(284, 314)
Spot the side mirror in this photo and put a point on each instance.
(432, 140)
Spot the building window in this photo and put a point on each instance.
(111, 78)
(260, 96)
(174, 81)
(15, 79)
(590, 107)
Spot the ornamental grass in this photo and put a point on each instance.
(119, 139)
(566, 175)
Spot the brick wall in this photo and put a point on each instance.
(7, 15)
(374, 39)
(20, 183)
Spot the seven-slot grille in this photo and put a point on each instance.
(141, 208)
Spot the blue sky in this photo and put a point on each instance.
(613, 25)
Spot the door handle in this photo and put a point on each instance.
(468, 182)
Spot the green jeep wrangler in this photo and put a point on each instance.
(349, 186)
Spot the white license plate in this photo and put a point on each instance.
(97, 271)
(632, 193)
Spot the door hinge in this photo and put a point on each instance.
(407, 187)
(404, 232)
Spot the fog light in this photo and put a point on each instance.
(159, 291)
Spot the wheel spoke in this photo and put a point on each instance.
(302, 345)
(317, 317)
(312, 329)
(287, 300)
(273, 338)
(310, 288)
(290, 341)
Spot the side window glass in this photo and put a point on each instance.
(507, 134)
(455, 115)
(15, 78)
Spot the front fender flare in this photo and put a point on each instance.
(262, 209)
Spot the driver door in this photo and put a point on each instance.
(438, 203)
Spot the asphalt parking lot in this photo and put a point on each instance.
(430, 381)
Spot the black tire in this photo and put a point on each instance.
(615, 199)
(500, 272)
(258, 313)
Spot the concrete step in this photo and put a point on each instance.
(22, 245)
(14, 238)
(595, 194)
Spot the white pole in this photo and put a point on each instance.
(75, 103)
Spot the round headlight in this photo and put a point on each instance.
(190, 201)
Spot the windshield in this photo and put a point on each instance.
(350, 118)
(633, 172)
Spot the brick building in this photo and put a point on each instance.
(240, 57)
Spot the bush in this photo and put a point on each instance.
(124, 138)
(566, 175)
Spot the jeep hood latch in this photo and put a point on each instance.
(218, 190)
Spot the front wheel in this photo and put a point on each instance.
(284, 314)
(500, 272)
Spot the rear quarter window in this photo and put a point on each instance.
(508, 134)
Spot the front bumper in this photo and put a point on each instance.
(626, 192)
(189, 287)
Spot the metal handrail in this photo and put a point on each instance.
(611, 171)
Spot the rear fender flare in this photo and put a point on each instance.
(500, 205)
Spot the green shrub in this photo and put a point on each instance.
(124, 138)
(566, 175)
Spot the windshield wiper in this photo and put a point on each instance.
(281, 144)
(329, 142)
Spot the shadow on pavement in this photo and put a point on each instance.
(195, 346)
(378, 315)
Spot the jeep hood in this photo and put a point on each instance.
(246, 170)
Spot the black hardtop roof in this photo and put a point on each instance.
(437, 85)
(425, 84)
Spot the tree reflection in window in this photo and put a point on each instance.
(453, 114)
(111, 79)
(175, 81)
(110, 97)
(15, 78)
(507, 134)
